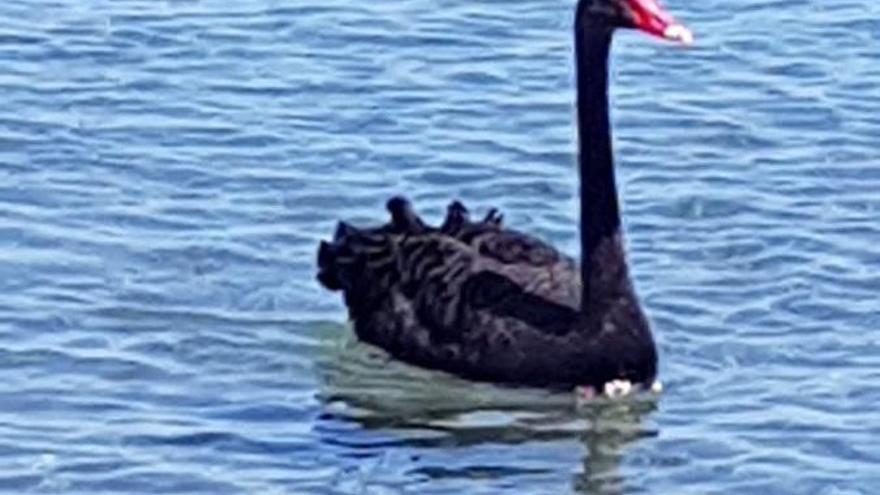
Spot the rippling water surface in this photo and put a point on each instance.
(169, 166)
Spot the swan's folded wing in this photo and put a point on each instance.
(491, 239)
(419, 290)
(471, 314)
(512, 247)
(468, 297)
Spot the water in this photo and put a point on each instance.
(169, 166)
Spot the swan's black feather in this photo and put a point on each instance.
(485, 302)
(488, 302)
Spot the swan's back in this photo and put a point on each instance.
(481, 301)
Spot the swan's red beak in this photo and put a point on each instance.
(650, 17)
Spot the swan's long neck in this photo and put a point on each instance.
(600, 213)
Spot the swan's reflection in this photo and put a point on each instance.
(419, 409)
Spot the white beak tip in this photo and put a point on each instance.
(677, 32)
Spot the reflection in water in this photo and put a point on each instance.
(412, 409)
(613, 425)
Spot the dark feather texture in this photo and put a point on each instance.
(486, 302)
(491, 303)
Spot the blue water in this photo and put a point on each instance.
(169, 166)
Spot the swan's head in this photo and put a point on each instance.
(645, 15)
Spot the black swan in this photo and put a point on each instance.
(492, 304)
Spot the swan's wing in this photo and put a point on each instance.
(491, 239)
(450, 301)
